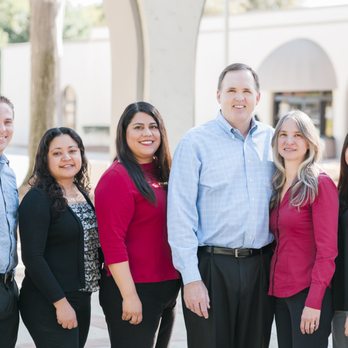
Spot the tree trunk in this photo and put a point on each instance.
(46, 42)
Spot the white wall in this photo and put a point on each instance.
(15, 84)
(254, 36)
(85, 66)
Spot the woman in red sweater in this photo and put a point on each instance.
(304, 215)
(139, 285)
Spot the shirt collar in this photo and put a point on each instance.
(3, 159)
(234, 131)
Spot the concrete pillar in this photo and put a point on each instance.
(153, 45)
(170, 35)
(127, 58)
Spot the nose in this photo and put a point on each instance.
(147, 132)
(239, 96)
(290, 139)
(2, 127)
(66, 156)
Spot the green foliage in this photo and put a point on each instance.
(79, 20)
(14, 21)
(15, 17)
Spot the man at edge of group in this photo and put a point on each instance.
(218, 220)
(9, 317)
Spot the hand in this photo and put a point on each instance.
(309, 320)
(66, 316)
(196, 298)
(346, 327)
(132, 309)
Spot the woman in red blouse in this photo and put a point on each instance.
(304, 215)
(139, 285)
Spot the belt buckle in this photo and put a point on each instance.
(236, 253)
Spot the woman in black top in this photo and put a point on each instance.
(59, 243)
(340, 281)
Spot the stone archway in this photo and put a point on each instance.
(298, 65)
(301, 75)
(153, 47)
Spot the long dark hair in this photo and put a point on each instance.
(126, 156)
(43, 179)
(343, 178)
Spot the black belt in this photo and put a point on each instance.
(7, 278)
(237, 253)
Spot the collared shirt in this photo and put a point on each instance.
(8, 217)
(219, 191)
(306, 245)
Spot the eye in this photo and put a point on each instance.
(137, 127)
(154, 126)
(73, 151)
(56, 153)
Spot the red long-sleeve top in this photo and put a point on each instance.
(306, 245)
(131, 228)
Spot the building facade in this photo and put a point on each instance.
(299, 54)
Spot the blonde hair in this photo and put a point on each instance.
(305, 187)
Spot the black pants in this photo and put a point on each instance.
(9, 323)
(241, 312)
(288, 313)
(158, 303)
(39, 316)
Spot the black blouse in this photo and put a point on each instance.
(340, 280)
(52, 246)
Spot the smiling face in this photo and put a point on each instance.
(6, 126)
(64, 158)
(238, 98)
(292, 145)
(143, 137)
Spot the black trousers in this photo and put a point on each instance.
(9, 324)
(39, 316)
(288, 313)
(158, 303)
(241, 312)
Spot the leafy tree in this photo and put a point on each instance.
(45, 38)
(79, 20)
(14, 21)
(15, 18)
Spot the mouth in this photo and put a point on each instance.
(146, 142)
(239, 107)
(67, 166)
(289, 150)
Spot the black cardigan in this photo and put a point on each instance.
(52, 246)
(340, 280)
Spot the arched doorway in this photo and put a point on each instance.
(300, 75)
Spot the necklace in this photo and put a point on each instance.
(73, 197)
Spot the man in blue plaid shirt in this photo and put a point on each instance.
(218, 208)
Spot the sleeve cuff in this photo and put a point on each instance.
(190, 275)
(315, 296)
